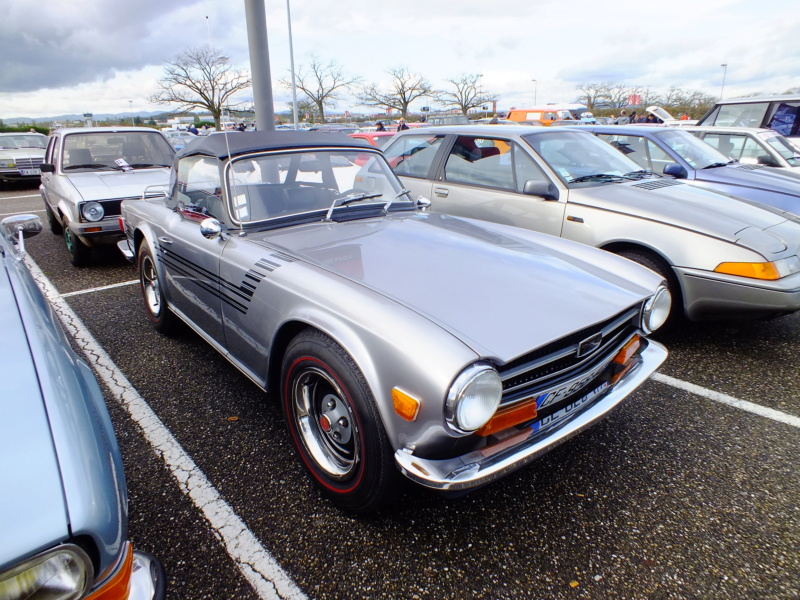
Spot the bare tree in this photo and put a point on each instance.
(403, 90)
(200, 78)
(467, 94)
(593, 94)
(321, 83)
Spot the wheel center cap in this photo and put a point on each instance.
(325, 423)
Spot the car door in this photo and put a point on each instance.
(414, 159)
(191, 262)
(483, 178)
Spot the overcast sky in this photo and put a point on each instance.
(60, 57)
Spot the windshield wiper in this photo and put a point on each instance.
(93, 166)
(598, 176)
(347, 200)
(640, 173)
(146, 165)
(718, 164)
(389, 203)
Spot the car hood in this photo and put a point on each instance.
(32, 510)
(680, 205)
(500, 290)
(17, 153)
(784, 181)
(108, 185)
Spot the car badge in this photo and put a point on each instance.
(589, 345)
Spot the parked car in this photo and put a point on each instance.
(179, 139)
(678, 153)
(397, 340)
(722, 257)
(21, 155)
(335, 127)
(437, 120)
(64, 505)
(88, 171)
(751, 145)
(373, 138)
(781, 113)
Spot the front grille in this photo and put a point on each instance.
(112, 207)
(28, 163)
(559, 360)
(655, 184)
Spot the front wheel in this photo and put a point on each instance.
(55, 226)
(660, 266)
(79, 253)
(334, 424)
(153, 291)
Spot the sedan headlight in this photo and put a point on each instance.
(656, 310)
(473, 398)
(761, 270)
(64, 573)
(92, 211)
(7, 163)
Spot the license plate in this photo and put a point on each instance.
(569, 410)
(567, 389)
(30, 171)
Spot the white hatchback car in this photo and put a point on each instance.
(89, 171)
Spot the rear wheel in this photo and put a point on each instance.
(660, 266)
(79, 253)
(334, 424)
(155, 304)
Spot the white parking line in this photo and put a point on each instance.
(756, 409)
(258, 566)
(21, 212)
(100, 289)
(17, 197)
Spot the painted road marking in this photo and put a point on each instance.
(258, 566)
(21, 212)
(18, 197)
(100, 289)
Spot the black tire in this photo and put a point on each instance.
(659, 265)
(80, 254)
(151, 286)
(335, 425)
(55, 226)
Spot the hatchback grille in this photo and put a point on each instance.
(559, 360)
(28, 163)
(656, 184)
(112, 207)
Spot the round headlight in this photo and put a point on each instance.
(656, 310)
(473, 398)
(92, 211)
(64, 573)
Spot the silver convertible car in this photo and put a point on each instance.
(721, 257)
(63, 505)
(398, 340)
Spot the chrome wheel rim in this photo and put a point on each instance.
(150, 288)
(325, 422)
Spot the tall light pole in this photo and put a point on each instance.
(724, 72)
(534, 91)
(291, 64)
(130, 103)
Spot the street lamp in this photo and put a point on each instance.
(291, 64)
(130, 104)
(534, 91)
(724, 72)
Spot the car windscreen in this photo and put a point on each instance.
(783, 147)
(22, 141)
(285, 184)
(697, 153)
(579, 156)
(115, 150)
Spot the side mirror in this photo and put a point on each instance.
(20, 227)
(210, 229)
(47, 168)
(676, 171)
(767, 161)
(545, 189)
(423, 202)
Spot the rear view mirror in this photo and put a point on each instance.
(47, 168)
(545, 189)
(676, 171)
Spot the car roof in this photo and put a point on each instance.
(67, 130)
(488, 130)
(245, 142)
(725, 129)
(776, 98)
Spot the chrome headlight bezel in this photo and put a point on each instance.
(66, 571)
(656, 310)
(473, 398)
(92, 211)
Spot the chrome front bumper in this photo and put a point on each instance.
(148, 580)
(480, 467)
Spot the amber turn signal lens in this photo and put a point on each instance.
(766, 270)
(405, 404)
(628, 350)
(503, 419)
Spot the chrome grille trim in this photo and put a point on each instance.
(656, 184)
(28, 163)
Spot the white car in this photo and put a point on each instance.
(89, 171)
(21, 154)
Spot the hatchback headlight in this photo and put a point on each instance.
(656, 310)
(92, 211)
(473, 398)
(64, 573)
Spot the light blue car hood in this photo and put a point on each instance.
(501, 290)
(32, 510)
(109, 185)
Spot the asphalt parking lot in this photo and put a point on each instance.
(685, 492)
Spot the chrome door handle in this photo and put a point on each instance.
(165, 240)
(441, 192)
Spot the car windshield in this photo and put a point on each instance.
(115, 150)
(281, 185)
(581, 157)
(696, 152)
(783, 147)
(10, 142)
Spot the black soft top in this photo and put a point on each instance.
(235, 143)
